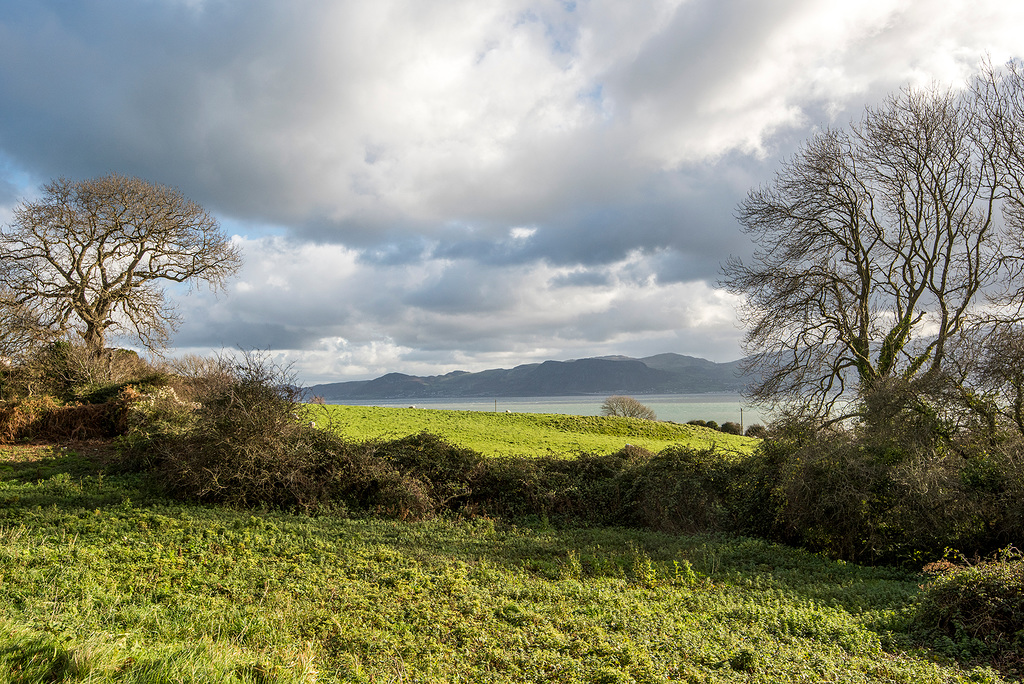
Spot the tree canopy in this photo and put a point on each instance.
(90, 257)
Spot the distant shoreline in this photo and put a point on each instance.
(676, 407)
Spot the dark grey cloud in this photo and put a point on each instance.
(197, 332)
(396, 253)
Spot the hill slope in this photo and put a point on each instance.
(522, 434)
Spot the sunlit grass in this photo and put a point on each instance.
(522, 434)
(103, 580)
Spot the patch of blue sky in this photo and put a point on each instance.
(562, 34)
(250, 229)
(594, 98)
(16, 182)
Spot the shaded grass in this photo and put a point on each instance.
(522, 434)
(101, 580)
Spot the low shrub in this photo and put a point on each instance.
(80, 422)
(679, 490)
(757, 431)
(585, 489)
(248, 444)
(45, 418)
(446, 470)
(730, 427)
(872, 497)
(975, 613)
(22, 419)
(244, 446)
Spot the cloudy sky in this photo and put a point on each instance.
(423, 186)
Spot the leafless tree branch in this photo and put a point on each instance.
(878, 245)
(89, 257)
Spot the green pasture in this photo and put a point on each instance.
(104, 580)
(521, 434)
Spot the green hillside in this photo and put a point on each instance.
(521, 434)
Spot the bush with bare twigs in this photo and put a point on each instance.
(626, 407)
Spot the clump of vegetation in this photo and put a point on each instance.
(679, 490)
(247, 440)
(975, 612)
(731, 428)
(757, 431)
(881, 496)
(63, 392)
(626, 407)
(242, 443)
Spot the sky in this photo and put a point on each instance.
(424, 187)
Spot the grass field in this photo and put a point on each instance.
(521, 434)
(104, 580)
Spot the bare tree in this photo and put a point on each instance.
(21, 332)
(875, 247)
(626, 407)
(89, 256)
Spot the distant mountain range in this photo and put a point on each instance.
(661, 374)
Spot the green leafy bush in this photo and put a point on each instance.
(730, 427)
(874, 497)
(679, 490)
(447, 471)
(976, 612)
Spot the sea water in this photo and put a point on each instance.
(679, 408)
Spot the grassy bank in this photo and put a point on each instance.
(522, 434)
(102, 579)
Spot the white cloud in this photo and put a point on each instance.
(346, 318)
(458, 184)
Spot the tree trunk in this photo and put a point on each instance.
(94, 340)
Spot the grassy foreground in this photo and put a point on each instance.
(103, 580)
(522, 434)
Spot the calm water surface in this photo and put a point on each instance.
(675, 407)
